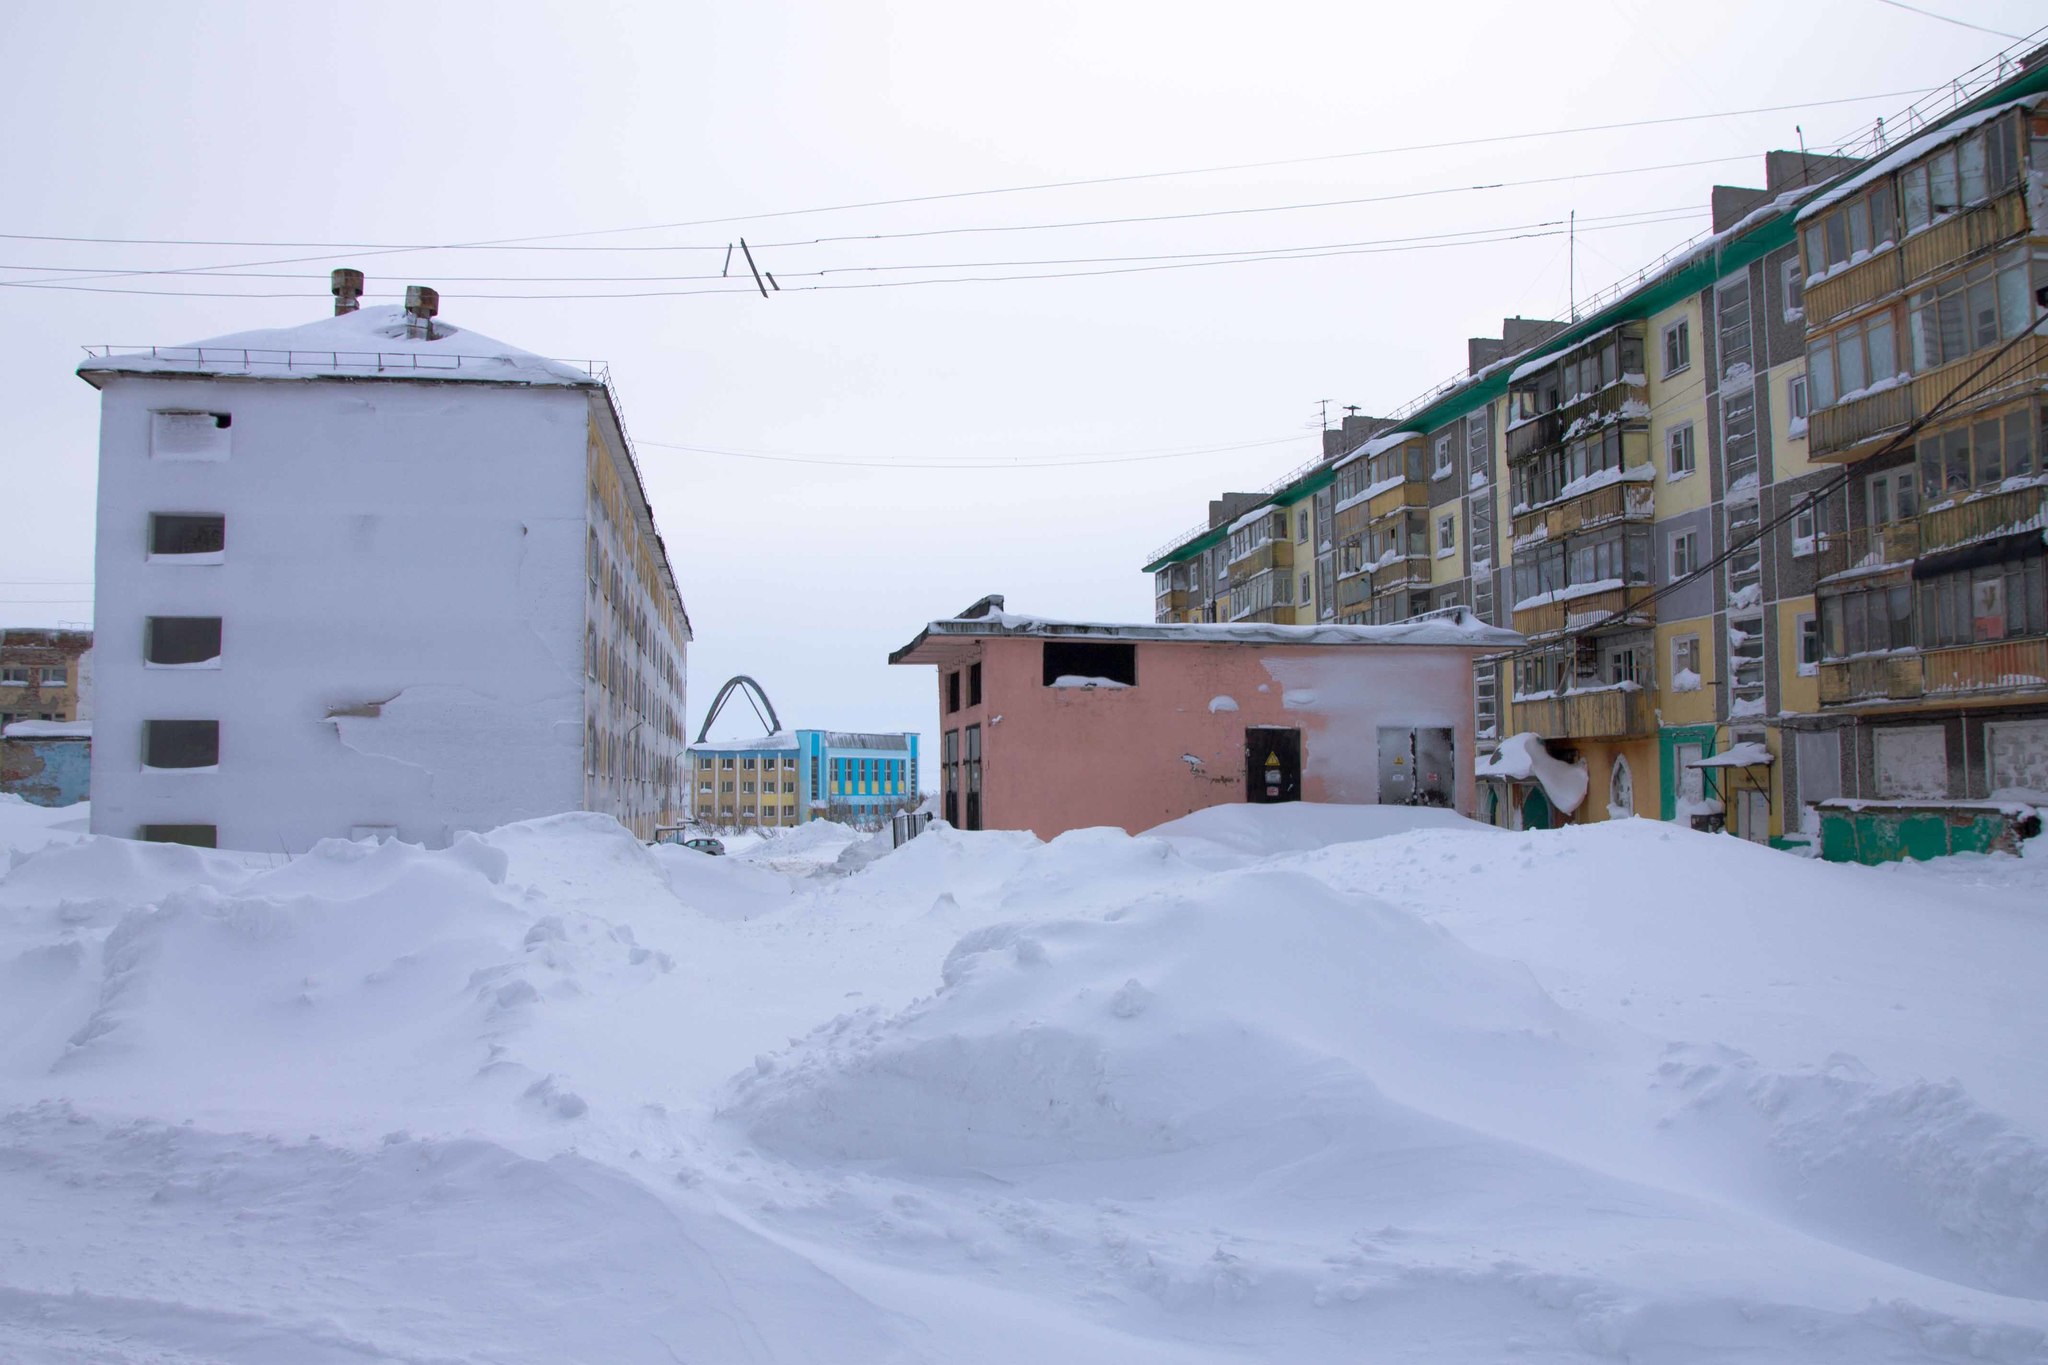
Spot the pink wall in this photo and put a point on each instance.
(1055, 759)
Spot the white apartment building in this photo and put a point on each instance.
(375, 576)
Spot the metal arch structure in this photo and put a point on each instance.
(758, 699)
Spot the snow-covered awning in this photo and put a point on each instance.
(48, 729)
(1748, 754)
(1522, 758)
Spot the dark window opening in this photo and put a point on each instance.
(187, 535)
(952, 693)
(198, 836)
(1108, 661)
(182, 639)
(971, 741)
(181, 743)
(974, 684)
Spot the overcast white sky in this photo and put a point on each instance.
(412, 123)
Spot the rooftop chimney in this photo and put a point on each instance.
(421, 304)
(348, 290)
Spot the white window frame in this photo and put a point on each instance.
(1446, 535)
(1678, 441)
(1446, 455)
(1894, 481)
(1792, 276)
(1687, 542)
(1808, 518)
(1685, 655)
(1682, 329)
(1796, 405)
(1805, 633)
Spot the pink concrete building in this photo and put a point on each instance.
(1056, 725)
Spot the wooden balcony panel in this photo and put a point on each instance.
(1532, 436)
(1408, 493)
(1354, 592)
(1399, 573)
(2023, 509)
(2022, 367)
(1860, 285)
(1867, 547)
(1274, 554)
(1621, 605)
(1989, 666)
(1609, 714)
(1882, 677)
(1842, 432)
(1962, 236)
(1349, 523)
(1615, 502)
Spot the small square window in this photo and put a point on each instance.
(181, 743)
(181, 641)
(58, 676)
(181, 533)
(1677, 347)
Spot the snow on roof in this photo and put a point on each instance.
(1263, 509)
(48, 729)
(368, 343)
(1912, 150)
(1376, 445)
(1459, 628)
(1523, 758)
(781, 739)
(1747, 754)
(1530, 367)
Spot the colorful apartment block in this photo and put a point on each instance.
(1802, 607)
(789, 778)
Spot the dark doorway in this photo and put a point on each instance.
(1272, 764)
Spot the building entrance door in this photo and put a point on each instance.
(1415, 767)
(1272, 764)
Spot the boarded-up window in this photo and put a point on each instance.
(1100, 660)
(189, 435)
(182, 534)
(2016, 754)
(175, 640)
(1912, 761)
(1819, 756)
(181, 743)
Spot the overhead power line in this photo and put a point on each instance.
(1950, 19)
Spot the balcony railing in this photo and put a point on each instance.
(1627, 605)
(1991, 666)
(1400, 573)
(1532, 436)
(1982, 518)
(1840, 432)
(1867, 548)
(1274, 554)
(1614, 502)
(1863, 283)
(1354, 592)
(1844, 431)
(1615, 713)
(1964, 235)
(1170, 602)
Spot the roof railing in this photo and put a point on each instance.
(250, 357)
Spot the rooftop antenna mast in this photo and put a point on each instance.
(1572, 262)
(1326, 413)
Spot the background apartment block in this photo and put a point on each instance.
(792, 777)
(45, 675)
(1749, 592)
(374, 576)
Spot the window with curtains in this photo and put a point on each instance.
(1989, 602)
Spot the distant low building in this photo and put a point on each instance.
(45, 675)
(791, 777)
(1057, 725)
(47, 762)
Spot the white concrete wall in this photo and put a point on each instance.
(413, 548)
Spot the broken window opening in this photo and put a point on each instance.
(176, 640)
(1107, 660)
(187, 534)
(181, 743)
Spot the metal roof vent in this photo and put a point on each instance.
(421, 304)
(348, 290)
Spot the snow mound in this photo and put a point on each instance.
(1295, 826)
(1178, 1024)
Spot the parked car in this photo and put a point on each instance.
(705, 844)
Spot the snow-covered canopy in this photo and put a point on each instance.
(1378, 443)
(1522, 758)
(368, 343)
(1748, 754)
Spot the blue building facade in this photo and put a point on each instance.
(791, 777)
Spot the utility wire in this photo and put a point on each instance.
(1947, 19)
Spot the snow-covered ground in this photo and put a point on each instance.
(1288, 1083)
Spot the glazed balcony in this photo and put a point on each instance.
(1988, 668)
(1627, 605)
(1610, 713)
(1622, 501)
(1535, 434)
(1172, 606)
(1949, 242)
(1402, 496)
(1403, 571)
(1849, 431)
(1619, 401)
(1274, 554)
(1354, 592)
